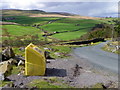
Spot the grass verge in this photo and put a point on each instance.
(3, 83)
(51, 82)
(111, 47)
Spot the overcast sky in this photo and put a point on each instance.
(98, 8)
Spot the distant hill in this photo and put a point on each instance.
(6, 12)
(29, 12)
(61, 13)
(40, 13)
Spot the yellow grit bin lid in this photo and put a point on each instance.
(35, 62)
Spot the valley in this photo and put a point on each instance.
(68, 40)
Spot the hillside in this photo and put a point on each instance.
(104, 30)
(59, 26)
(9, 12)
(40, 13)
(21, 28)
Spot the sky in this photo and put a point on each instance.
(94, 8)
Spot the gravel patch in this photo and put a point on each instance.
(74, 71)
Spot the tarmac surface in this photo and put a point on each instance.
(100, 58)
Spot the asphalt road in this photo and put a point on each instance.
(97, 56)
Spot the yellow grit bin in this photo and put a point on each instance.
(35, 62)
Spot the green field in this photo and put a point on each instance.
(70, 35)
(71, 26)
(30, 20)
(59, 27)
(20, 30)
(17, 30)
(67, 28)
(74, 27)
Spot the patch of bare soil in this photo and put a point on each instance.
(57, 15)
(7, 23)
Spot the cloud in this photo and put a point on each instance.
(22, 4)
(85, 8)
(61, 0)
(101, 9)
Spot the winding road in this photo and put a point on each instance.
(97, 56)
